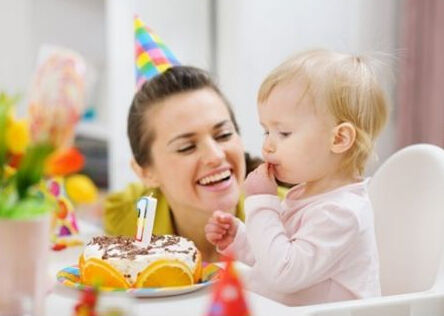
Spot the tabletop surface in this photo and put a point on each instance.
(61, 299)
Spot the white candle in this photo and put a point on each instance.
(146, 207)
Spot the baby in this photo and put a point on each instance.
(321, 112)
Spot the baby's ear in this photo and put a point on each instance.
(148, 177)
(344, 136)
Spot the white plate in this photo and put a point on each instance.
(70, 277)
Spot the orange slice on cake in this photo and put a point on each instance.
(98, 272)
(197, 275)
(165, 273)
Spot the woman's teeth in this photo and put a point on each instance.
(215, 177)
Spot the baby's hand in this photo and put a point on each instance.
(260, 181)
(221, 229)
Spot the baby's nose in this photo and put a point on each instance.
(268, 146)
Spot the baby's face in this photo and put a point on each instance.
(298, 136)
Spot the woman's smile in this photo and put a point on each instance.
(218, 180)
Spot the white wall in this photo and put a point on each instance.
(16, 34)
(184, 28)
(78, 25)
(256, 35)
(26, 24)
(253, 36)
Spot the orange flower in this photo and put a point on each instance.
(64, 162)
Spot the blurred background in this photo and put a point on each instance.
(239, 42)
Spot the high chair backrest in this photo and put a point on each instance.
(407, 193)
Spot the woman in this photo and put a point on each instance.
(188, 154)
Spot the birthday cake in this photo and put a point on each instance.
(121, 262)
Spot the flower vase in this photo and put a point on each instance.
(24, 258)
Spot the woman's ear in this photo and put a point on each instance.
(148, 177)
(344, 136)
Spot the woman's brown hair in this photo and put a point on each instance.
(173, 81)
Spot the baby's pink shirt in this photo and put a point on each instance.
(308, 251)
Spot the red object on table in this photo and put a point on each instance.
(58, 247)
(228, 296)
(87, 303)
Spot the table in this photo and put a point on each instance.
(61, 300)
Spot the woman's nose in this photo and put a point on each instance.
(213, 153)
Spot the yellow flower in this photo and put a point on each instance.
(81, 189)
(17, 136)
(9, 172)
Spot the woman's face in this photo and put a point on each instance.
(197, 156)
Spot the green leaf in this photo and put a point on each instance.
(6, 104)
(31, 168)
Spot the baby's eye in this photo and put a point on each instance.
(186, 149)
(284, 134)
(224, 136)
(266, 133)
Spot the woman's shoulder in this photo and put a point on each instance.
(240, 212)
(120, 208)
(129, 195)
(281, 192)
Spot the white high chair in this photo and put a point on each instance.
(407, 193)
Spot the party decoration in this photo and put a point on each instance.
(228, 296)
(57, 95)
(152, 55)
(64, 228)
(36, 153)
(86, 306)
(56, 104)
(68, 190)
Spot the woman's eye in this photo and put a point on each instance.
(266, 133)
(186, 149)
(224, 136)
(284, 134)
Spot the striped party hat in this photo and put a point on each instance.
(152, 56)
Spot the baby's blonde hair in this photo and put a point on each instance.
(349, 88)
